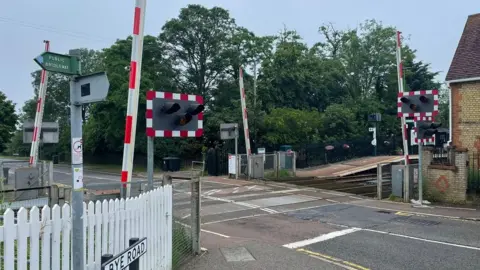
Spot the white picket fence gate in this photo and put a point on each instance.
(33, 241)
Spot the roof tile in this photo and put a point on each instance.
(466, 61)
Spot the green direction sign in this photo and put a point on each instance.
(60, 63)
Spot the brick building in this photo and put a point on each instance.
(464, 80)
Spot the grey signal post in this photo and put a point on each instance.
(97, 85)
(83, 90)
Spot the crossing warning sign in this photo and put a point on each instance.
(77, 151)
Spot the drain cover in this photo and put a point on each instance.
(415, 221)
(237, 254)
(384, 212)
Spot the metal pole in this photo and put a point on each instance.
(50, 173)
(195, 213)
(77, 183)
(402, 119)
(255, 103)
(420, 175)
(379, 181)
(150, 162)
(376, 143)
(237, 160)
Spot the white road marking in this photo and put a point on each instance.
(268, 210)
(356, 198)
(221, 183)
(251, 187)
(215, 233)
(235, 190)
(321, 238)
(333, 201)
(207, 231)
(213, 191)
(396, 210)
(423, 239)
(261, 215)
(186, 216)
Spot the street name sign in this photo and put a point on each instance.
(60, 63)
(127, 257)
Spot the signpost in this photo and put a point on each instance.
(97, 85)
(375, 118)
(54, 62)
(129, 257)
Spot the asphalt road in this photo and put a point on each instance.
(332, 229)
(388, 240)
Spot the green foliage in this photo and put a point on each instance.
(293, 126)
(305, 94)
(8, 120)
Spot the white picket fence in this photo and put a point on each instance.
(33, 241)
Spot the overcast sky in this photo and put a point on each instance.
(434, 26)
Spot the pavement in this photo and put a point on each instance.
(252, 225)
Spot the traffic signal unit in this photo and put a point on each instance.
(174, 115)
(423, 107)
(418, 103)
(421, 134)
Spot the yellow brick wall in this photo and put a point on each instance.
(466, 115)
(456, 189)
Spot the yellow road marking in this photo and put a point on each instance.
(403, 214)
(333, 259)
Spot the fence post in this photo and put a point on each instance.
(277, 164)
(195, 214)
(294, 163)
(379, 181)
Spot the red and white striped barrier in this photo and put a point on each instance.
(400, 90)
(133, 92)
(42, 92)
(244, 113)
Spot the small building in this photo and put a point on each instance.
(463, 78)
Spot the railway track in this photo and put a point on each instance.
(362, 184)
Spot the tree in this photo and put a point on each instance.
(197, 42)
(8, 121)
(293, 126)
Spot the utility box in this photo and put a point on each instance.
(26, 178)
(257, 166)
(398, 172)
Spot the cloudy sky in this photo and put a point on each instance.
(434, 27)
